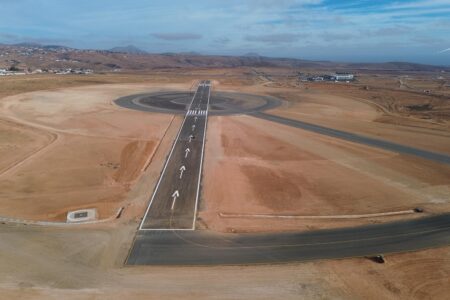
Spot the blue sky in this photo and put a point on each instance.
(361, 31)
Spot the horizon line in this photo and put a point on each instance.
(195, 53)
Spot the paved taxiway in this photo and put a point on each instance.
(356, 138)
(207, 248)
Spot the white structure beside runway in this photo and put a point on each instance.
(82, 215)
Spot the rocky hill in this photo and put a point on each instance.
(130, 58)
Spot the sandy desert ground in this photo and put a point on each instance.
(85, 263)
(97, 153)
(70, 147)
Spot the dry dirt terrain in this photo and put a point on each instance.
(64, 145)
(253, 167)
(97, 152)
(267, 168)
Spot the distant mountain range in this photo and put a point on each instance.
(130, 49)
(37, 45)
(32, 56)
(251, 54)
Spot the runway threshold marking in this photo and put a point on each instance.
(196, 112)
(176, 193)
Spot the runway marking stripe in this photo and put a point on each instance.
(165, 166)
(196, 112)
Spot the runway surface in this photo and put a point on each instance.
(356, 138)
(166, 235)
(206, 248)
(173, 204)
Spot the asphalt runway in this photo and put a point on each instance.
(173, 204)
(207, 248)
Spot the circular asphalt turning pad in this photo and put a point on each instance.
(220, 103)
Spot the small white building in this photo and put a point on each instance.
(343, 77)
(82, 215)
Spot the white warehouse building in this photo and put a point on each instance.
(344, 77)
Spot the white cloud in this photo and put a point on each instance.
(419, 4)
(275, 38)
(180, 36)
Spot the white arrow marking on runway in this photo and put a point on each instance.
(182, 169)
(175, 195)
(187, 152)
(195, 119)
(190, 138)
(193, 127)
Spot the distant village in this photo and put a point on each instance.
(58, 71)
(26, 51)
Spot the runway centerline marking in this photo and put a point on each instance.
(182, 169)
(175, 195)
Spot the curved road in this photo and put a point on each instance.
(206, 248)
(356, 138)
(221, 103)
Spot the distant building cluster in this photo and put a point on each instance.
(68, 71)
(336, 77)
(58, 71)
(17, 60)
(4, 72)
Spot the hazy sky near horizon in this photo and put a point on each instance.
(358, 31)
